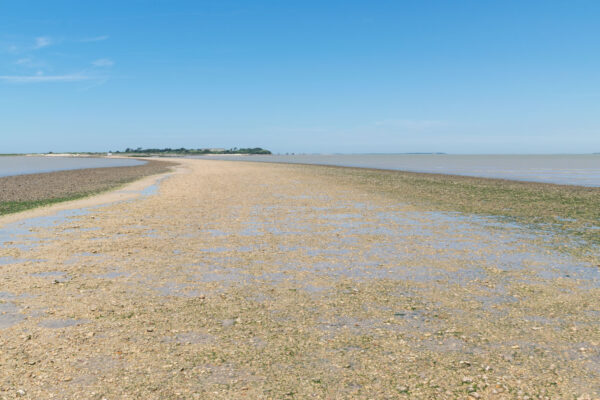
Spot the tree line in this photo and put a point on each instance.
(183, 150)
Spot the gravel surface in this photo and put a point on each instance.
(263, 281)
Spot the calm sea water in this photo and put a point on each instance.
(19, 165)
(581, 170)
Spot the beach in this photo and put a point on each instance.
(255, 280)
(22, 192)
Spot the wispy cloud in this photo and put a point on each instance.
(42, 41)
(411, 124)
(95, 39)
(30, 62)
(24, 61)
(30, 67)
(95, 82)
(44, 78)
(103, 63)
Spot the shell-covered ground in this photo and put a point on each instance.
(246, 280)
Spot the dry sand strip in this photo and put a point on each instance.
(264, 281)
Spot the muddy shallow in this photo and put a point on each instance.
(271, 281)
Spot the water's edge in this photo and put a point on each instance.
(25, 165)
(578, 170)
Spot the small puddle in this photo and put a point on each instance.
(190, 338)
(112, 274)
(11, 260)
(58, 276)
(9, 315)
(61, 323)
(177, 290)
(21, 234)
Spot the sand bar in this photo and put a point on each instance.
(243, 280)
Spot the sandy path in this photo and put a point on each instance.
(240, 280)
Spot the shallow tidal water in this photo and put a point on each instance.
(581, 170)
(20, 165)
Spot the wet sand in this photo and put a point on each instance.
(242, 280)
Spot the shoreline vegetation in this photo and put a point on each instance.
(156, 152)
(24, 192)
(183, 151)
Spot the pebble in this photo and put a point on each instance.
(228, 322)
(402, 389)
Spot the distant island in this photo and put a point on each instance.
(182, 150)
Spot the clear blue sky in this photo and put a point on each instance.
(301, 76)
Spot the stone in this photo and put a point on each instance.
(402, 389)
